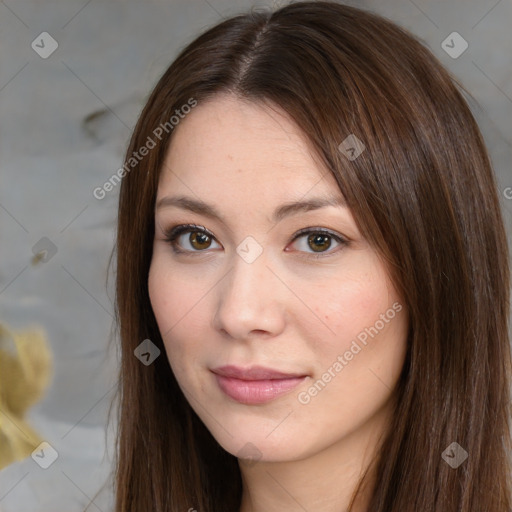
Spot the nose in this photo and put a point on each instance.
(250, 301)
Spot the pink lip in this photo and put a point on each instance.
(255, 385)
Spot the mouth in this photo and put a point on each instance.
(257, 384)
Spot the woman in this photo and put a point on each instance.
(312, 271)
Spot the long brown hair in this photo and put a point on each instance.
(422, 193)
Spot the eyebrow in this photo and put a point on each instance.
(285, 210)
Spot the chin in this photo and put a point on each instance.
(253, 440)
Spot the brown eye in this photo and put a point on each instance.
(318, 242)
(190, 239)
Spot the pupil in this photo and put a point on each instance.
(320, 242)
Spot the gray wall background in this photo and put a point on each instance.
(64, 124)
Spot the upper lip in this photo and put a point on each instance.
(254, 373)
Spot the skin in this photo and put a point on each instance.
(286, 310)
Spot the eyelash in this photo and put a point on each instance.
(171, 234)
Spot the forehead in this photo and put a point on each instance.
(227, 145)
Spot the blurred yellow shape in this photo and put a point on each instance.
(25, 372)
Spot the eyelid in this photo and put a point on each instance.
(329, 232)
(183, 228)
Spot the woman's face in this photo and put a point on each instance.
(269, 283)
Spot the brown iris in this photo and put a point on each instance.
(319, 242)
(199, 240)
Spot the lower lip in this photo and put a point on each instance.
(253, 392)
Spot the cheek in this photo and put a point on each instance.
(172, 302)
(357, 362)
(175, 298)
(348, 305)
(364, 342)
(178, 310)
(163, 297)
